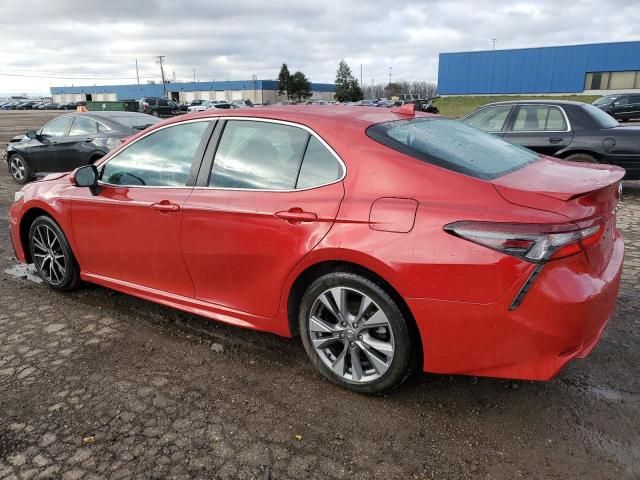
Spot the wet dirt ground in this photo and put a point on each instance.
(95, 384)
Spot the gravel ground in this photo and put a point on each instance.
(96, 384)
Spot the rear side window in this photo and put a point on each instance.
(319, 166)
(453, 145)
(539, 118)
(258, 155)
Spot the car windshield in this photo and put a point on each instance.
(136, 121)
(602, 118)
(605, 100)
(453, 145)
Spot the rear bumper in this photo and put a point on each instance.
(561, 318)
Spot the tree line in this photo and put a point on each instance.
(297, 87)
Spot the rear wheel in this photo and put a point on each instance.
(355, 334)
(581, 157)
(19, 169)
(52, 256)
(155, 113)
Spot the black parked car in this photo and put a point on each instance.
(71, 140)
(622, 106)
(573, 131)
(157, 106)
(27, 105)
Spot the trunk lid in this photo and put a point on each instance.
(578, 191)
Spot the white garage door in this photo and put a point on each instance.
(220, 95)
(104, 97)
(189, 96)
(237, 94)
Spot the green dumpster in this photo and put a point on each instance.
(119, 106)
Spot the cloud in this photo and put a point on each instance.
(78, 42)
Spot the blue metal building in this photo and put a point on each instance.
(258, 91)
(573, 69)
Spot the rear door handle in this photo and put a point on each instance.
(297, 215)
(165, 206)
(555, 139)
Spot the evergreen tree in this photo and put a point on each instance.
(299, 87)
(284, 77)
(355, 90)
(343, 82)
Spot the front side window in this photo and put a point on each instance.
(489, 119)
(258, 155)
(161, 159)
(539, 118)
(621, 101)
(83, 126)
(56, 127)
(453, 145)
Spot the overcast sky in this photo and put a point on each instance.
(84, 42)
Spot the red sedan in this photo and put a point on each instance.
(384, 239)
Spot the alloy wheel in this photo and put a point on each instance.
(17, 168)
(48, 255)
(351, 334)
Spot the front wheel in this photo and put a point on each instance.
(19, 169)
(155, 113)
(52, 256)
(355, 334)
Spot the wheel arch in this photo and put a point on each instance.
(583, 151)
(25, 224)
(316, 270)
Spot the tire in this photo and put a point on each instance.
(53, 258)
(335, 350)
(155, 113)
(19, 169)
(581, 157)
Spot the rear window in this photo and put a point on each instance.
(602, 118)
(453, 145)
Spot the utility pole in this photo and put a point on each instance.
(494, 40)
(137, 73)
(373, 86)
(390, 75)
(361, 85)
(160, 60)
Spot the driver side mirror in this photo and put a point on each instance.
(87, 176)
(31, 134)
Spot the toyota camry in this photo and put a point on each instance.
(386, 240)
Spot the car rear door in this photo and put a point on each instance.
(76, 147)
(491, 119)
(267, 193)
(543, 128)
(130, 231)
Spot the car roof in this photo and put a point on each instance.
(309, 115)
(528, 102)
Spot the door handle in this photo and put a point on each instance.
(165, 206)
(88, 139)
(297, 215)
(555, 139)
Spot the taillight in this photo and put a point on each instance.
(536, 243)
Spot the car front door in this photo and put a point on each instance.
(268, 196)
(542, 128)
(76, 147)
(634, 106)
(129, 231)
(43, 151)
(620, 107)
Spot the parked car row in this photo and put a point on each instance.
(39, 105)
(621, 106)
(163, 107)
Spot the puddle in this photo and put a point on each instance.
(606, 393)
(24, 271)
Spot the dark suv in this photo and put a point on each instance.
(622, 106)
(157, 106)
